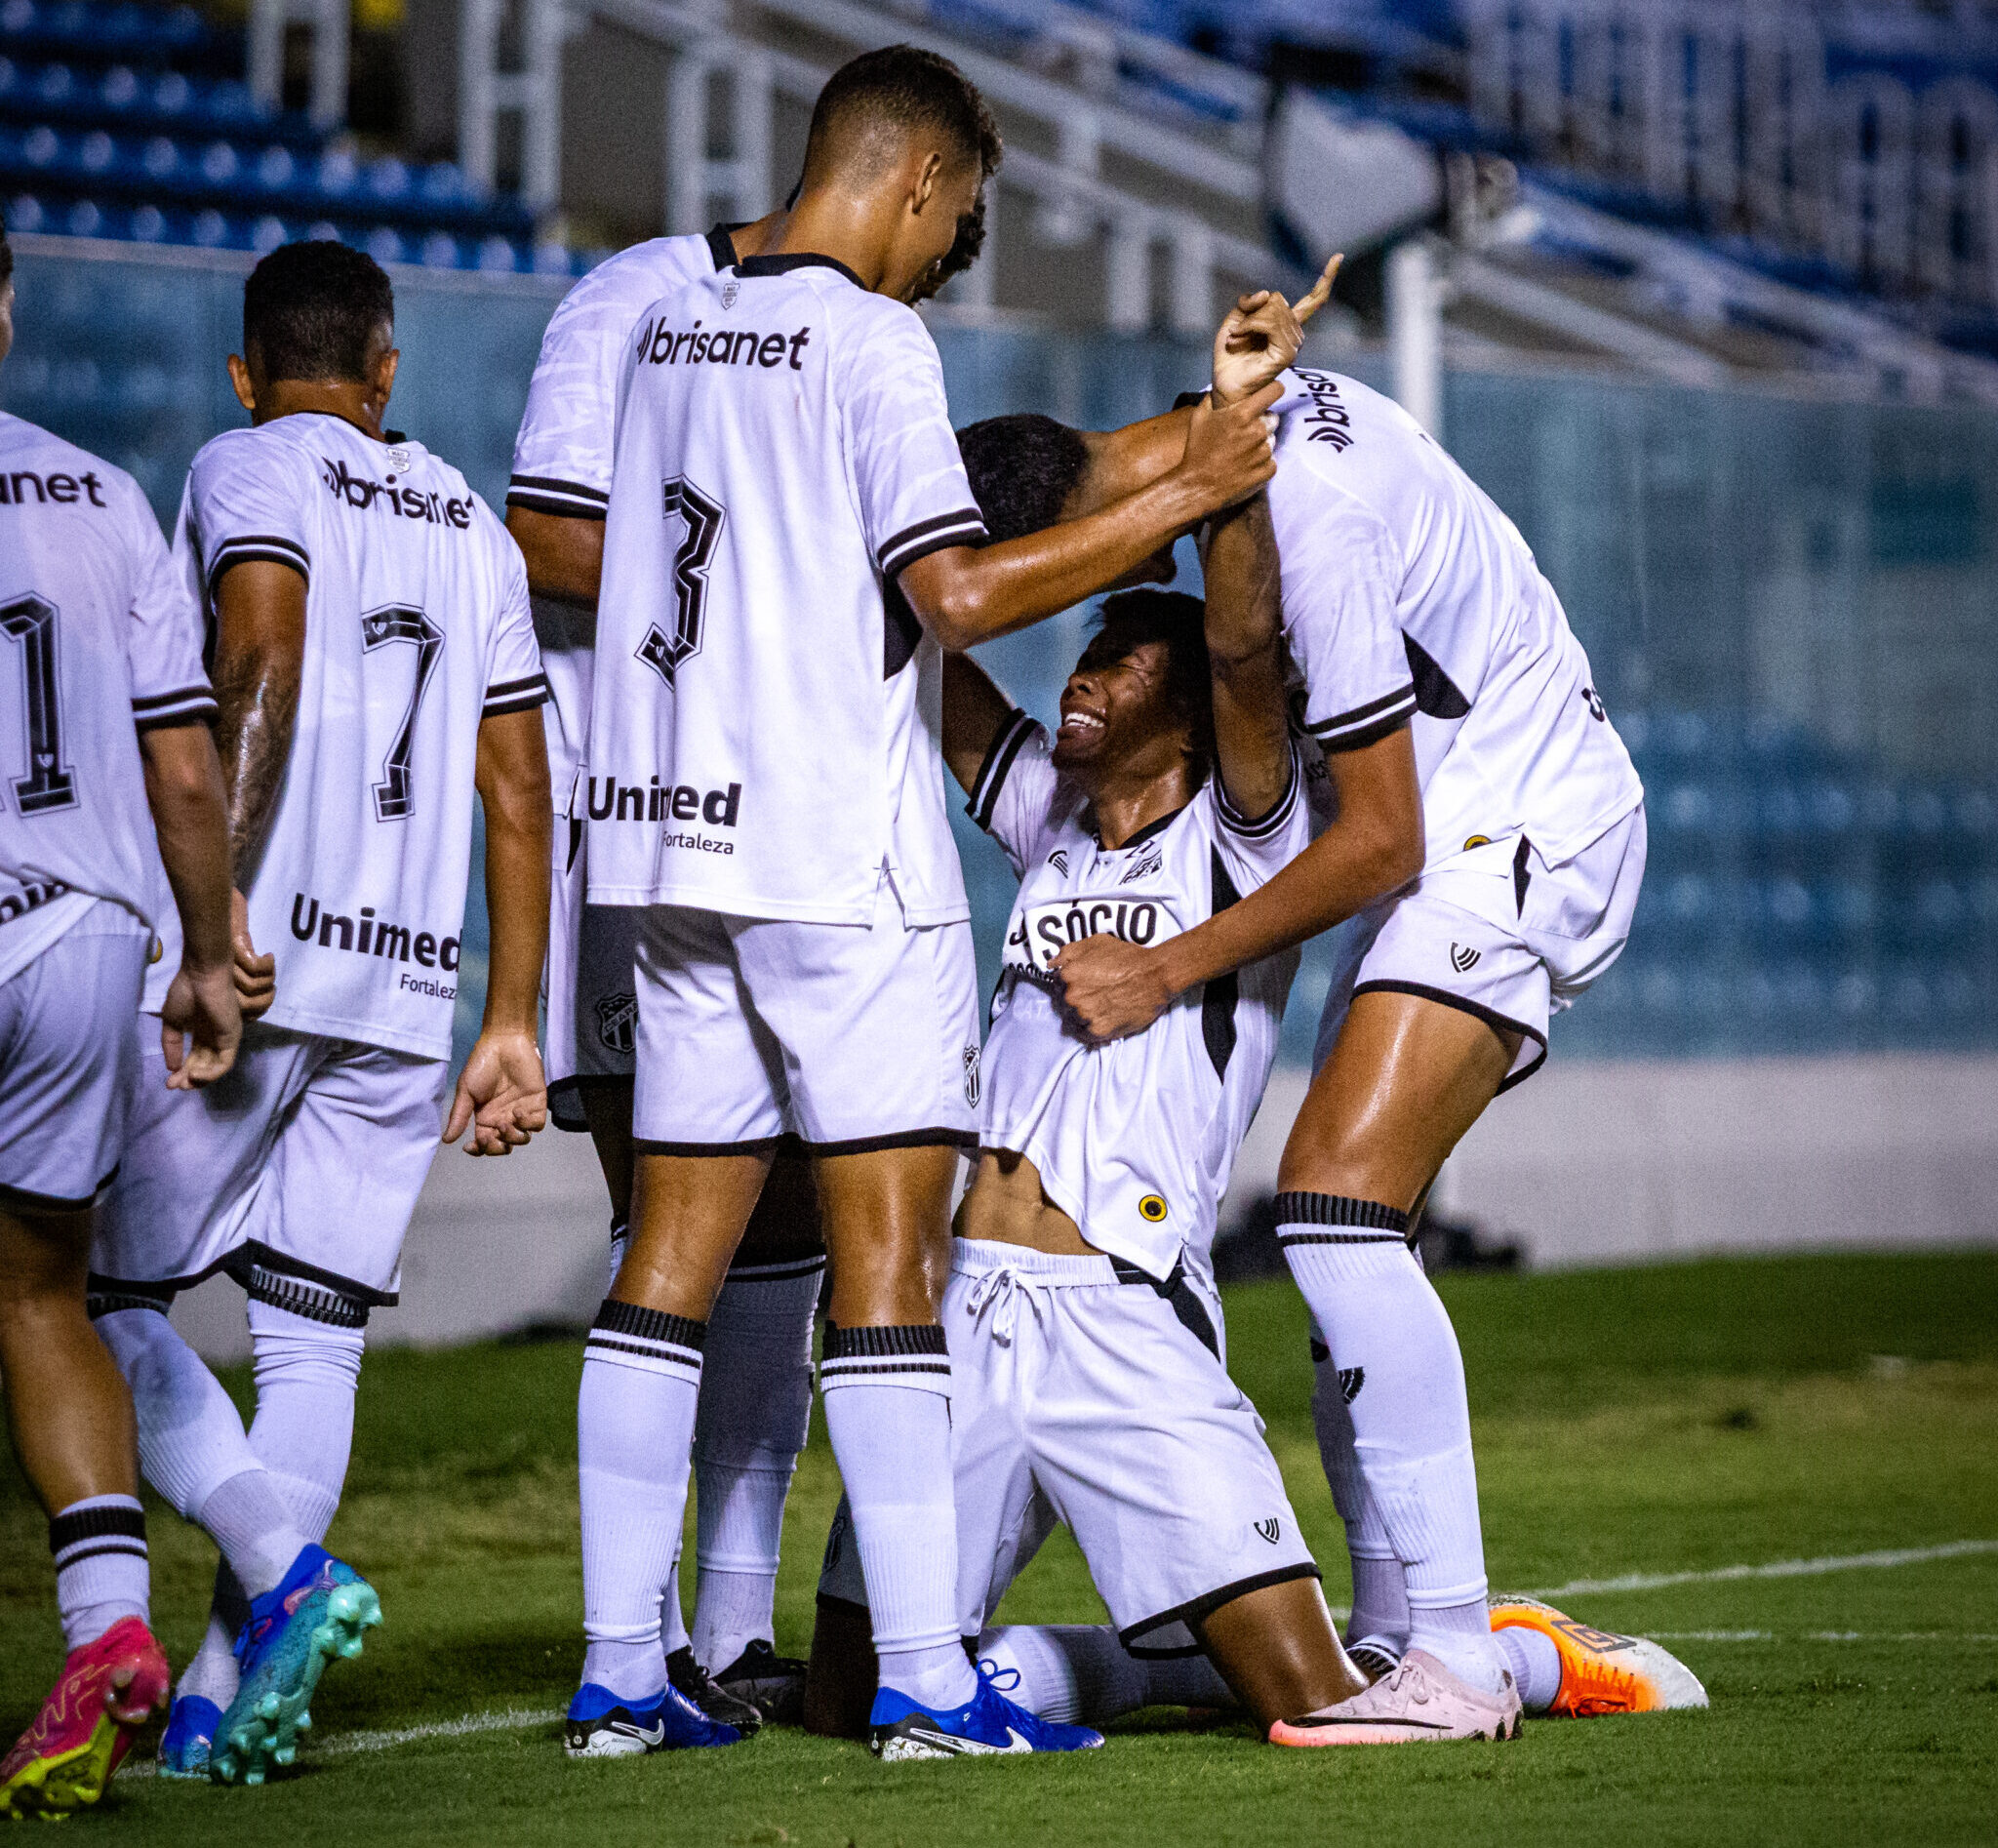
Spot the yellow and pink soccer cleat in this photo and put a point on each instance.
(1602, 1671)
(109, 1690)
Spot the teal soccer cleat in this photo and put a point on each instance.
(318, 1612)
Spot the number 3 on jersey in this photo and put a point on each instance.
(395, 797)
(703, 518)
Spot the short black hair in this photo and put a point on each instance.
(901, 88)
(311, 310)
(1129, 620)
(1021, 468)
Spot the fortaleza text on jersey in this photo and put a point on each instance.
(357, 491)
(370, 935)
(661, 345)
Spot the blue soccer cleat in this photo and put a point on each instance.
(189, 1738)
(319, 1611)
(600, 1725)
(900, 1731)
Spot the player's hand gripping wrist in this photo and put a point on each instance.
(1229, 454)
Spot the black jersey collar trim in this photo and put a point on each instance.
(1145, 833)
(721, 246)
(785, 263)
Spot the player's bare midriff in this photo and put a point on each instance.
(1007, 1204)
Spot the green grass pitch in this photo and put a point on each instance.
(1665, 1421)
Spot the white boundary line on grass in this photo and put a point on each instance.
(519, 1720)
(1820, 1637)
(1774, 1569)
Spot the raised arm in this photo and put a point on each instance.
(969, 595)
(1246, 659)
(502, 1094)
(973, 710)
(183, 789)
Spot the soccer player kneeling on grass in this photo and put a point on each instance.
(375, 663)
(104, 732)
(1085, 1331)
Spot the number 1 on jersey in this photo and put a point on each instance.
(395, 798)
(49, 784)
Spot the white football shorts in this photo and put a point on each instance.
(851, 1039)
(305, 1161)
(1496, 932)
(65, 1058)
(1081, 1394)
(589, 991)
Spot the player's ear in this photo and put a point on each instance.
(243, 382)
(928, 174)
(384, 382)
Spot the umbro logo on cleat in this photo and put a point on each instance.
(1462, 959)
(1350, 1381)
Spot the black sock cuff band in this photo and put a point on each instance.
(643, 1324)
(1361, 1217)
(313, 1302)
(855, 1343)
(86, 1532)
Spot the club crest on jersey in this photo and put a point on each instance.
(731, 292)
(1350, 1381)
(1144, 865)
(618, 1022)
(971, 1076)
(1462, 958)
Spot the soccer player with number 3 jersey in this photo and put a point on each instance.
(104, 744)
(375, 661)
(789, 541)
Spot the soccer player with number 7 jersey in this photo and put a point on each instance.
(790, 543)
(375, 661)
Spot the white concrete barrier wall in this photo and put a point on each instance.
(1587, 1163)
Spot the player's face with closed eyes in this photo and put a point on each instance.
(1115, 707)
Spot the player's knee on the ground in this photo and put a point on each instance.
(840, 1678)
(1277, 1649)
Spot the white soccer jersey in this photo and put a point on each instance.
(1407, 595)
(562, 455)
(99, 641)
(1134, 1140)
(764, 738)
(417, 628)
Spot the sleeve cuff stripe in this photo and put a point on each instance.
(1261, 827)
(181, 696)
(1396, 705)
(549, 484)
(965, 527)
(520, 702)
(1371, 732)
(275, 551)
(992, 773)
(561, 510)
(168, 721)
(528, 683)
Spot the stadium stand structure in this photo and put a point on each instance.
(116, 122)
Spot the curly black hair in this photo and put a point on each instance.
(1022, 468)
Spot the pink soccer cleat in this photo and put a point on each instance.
(109, 1690)
(1420, 1699)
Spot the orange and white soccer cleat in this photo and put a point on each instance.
(1601, 1672)
(1419, 1700)
(107, 1690)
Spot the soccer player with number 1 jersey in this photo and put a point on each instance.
(103, 748)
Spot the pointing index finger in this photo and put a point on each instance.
(1321, 290)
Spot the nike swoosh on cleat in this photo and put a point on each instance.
(655, 1735)
(966, 1748)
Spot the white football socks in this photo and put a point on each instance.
(641, 1380)
(888, 1413)
(193, 1449)
(1383, 1321)
(101, 1571)
(747, 1439)
(1081, 1674)
(1535, 1665)
(213, 1673)
(1379, 1617)
(306, 1370)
